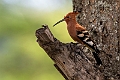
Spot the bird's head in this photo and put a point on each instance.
(70, 16)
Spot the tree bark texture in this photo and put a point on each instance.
(69, 58)
(75, 61)
(102, 19)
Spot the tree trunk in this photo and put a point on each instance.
(75, 61)
(101, 18)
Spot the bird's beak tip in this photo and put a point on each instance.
(58, 22)
(54, 25)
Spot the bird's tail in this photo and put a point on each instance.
(98, 60)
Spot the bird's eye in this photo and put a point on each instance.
(67, 17)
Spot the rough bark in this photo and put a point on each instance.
(69, 58)
(74, 61)
(101, 18)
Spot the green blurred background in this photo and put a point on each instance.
(21, 58)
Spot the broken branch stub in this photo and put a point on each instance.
(69, 58)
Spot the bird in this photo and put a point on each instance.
(79, 34)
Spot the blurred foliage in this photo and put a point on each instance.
(21, 58)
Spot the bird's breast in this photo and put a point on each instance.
(72, 32)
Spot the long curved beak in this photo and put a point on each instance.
(58, 22)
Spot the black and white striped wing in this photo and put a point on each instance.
(86, 39)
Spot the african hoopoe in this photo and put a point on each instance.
(80, 34)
